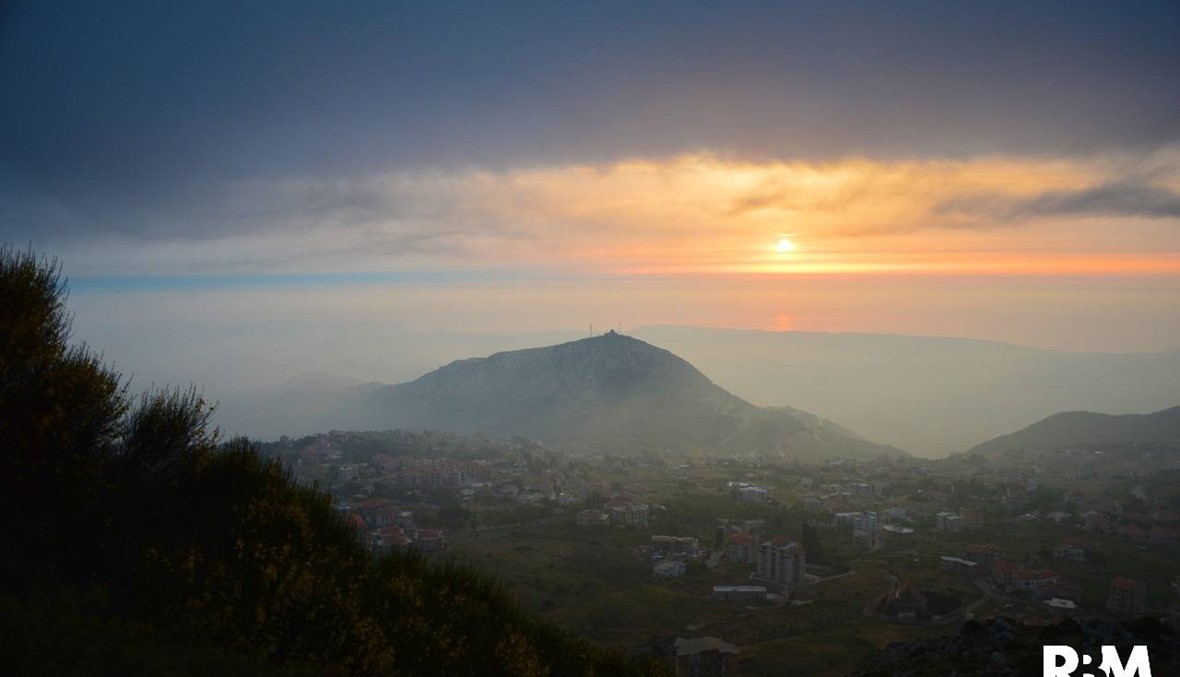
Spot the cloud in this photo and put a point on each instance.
(140, 101)
(693, 212)
(1122, 198)
(1134, 193)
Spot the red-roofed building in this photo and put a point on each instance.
(388, 539)
(1035, 580)
(356, 521)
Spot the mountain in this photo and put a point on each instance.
(609, 392)
(1080, 428)
(928, 395)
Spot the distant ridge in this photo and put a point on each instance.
(1077, 428)
(608, 392)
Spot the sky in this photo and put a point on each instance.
(238, 190)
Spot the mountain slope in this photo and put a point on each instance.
(1077, 428)
(606, 392)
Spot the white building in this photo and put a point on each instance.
(753, 494)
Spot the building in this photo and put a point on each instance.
(1071, 549)
(1034, 581)
(1003, 573)
(782, 561)
(866, 540)
(592, 518)
(384, 540)
(1062, 589)
(984, 555)
(865, 521)
(949, 522)
(1127, 597)
(740, 548)
(972, 519)
(669, 568)
(752, 494)
(957, 565)
(626, 512)
(675, 546)
(866, 532)
(740, 593)
(705, 657)
(429, 540)
(847, 518)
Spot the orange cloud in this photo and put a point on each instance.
(700, 213)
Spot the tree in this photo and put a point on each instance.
(60, 410)
(210, 544)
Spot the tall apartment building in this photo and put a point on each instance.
(783, 561)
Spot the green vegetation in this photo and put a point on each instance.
(145, 545)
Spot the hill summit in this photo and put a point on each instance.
(608, 392)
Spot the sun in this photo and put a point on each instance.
(784, 246)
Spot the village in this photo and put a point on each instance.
(741, 560)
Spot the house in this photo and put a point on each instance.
(782, 561)
(1127, 597)
(389, 539)
(705, 657)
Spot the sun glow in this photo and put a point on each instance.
(784, 246)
